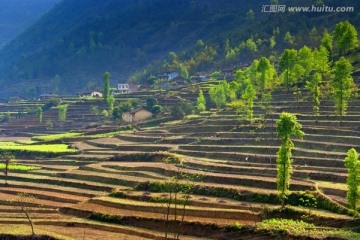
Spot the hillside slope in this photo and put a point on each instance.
(17, 15)
(79, 40)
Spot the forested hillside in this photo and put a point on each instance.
(17, 15)
(79, 40)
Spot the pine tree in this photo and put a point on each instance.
(353, 179)
(287, 126)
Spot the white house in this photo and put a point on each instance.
(168, 76)
(96, 94)
(127, 88)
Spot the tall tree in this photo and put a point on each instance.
(287, 126)
(314, 87)
(346, 36)
(249, 95)
(327, 42)
(343, 84)
(287, 63)
(218, 94)
(353, 179)
(110, 102)
(39, 114)
(62, 112)
(267, 74)
(306, 60)
(106, 93)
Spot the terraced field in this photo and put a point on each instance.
(116, 187)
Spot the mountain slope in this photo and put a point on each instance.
(17, 15)
(80, 39)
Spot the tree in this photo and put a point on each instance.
(314, 87)
(156, 109)
(353, 179)
(106, 93)
(288, 39)
(346, 36)
(287, 126)
(327, 42)
(250, 15)
(306, 60)
(150, 102)
(218, 95)
(183, 72)
(343, 84)
(39, 114)
(8, 158)
(201, 102)
(25, 202)
(177, 112)
(249, 96)
(62, 112)
(287, 62)
(267, 74)
(110, 102)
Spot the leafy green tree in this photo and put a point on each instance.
(327, 42)
(157, 109)
(353, 179)
(287, 63)
(106, 93)
(306, 60)
(201, 102)
(218, 95)
(62, 112)
(39, 114)
(314, 87)
(183, 72)
(346, 36)
(343, 84)
(110, 102)
(287, 126)
(267, 75)
(289, 39)
(249, 96)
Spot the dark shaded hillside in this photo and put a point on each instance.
(17, 15)
(80, 39)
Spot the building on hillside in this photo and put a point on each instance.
(127, 88)
(46, 96)
(136, 115)
(96, 94)
(167, 76)
(198, 78)
(178, 81)
(16, 99)
(228, 73)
